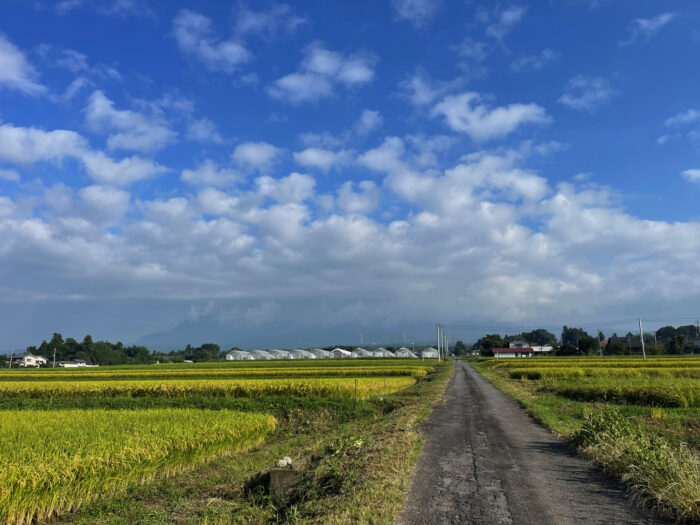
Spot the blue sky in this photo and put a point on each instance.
(261, 173)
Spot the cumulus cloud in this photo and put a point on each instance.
(203, 130)
(362, 202)
(369, 121)
(587, 93)
(195, 37)
(129, 130)
(294, 188)
(322, 159)
(420, 90)
(105, 204)
(467, 113)
(645, 28)
(504, 21)
(208, 173)
(15, 70)
(256, 155)
(268, 22)
(692, 176)
(23, 145)
(684, 117)
(120, 172)
(418, 12)
(320, 72)
(9, 175)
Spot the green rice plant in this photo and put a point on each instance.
(52, 462)
(360, 388)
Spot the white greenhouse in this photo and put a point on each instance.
(238, 355)
(361, 352)
(260, 355)
(320, 353)
(405, 352)
(339, 353)
(429, 353)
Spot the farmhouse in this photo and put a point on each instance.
(27, 359)
(238, 355)
(339, 353)
(513, 352)
(519, 344)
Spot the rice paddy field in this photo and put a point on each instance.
(80, 446)
(638, 418)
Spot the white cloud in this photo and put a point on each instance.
(418, 12)
(369, 121)
(294, 188)
(203, 130)
(472, 49)
(322, 159)
(195, 37)
(534, 62)
(586, 93)
(321, 70)
(9, 175)
(268, 22)
(645, 28)
(208, 173)
(420, 90)
(505, 21)
(685, 117)
(15, 70)
(128, 129)
(362, 202)
(468, 114)
(105, 204)
(692, 176)
(120, 172)
(257, 155)
(28, 145)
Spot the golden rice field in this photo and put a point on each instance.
(92, 374)
(56, 461)
(360, 388)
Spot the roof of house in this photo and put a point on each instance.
(513, 350)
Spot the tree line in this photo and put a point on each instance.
(105, 353)
(576, 341)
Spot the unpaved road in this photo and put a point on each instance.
(485, 462)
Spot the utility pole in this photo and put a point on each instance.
(437, 327)
(641, 337)
(54, 357)
(11, 355)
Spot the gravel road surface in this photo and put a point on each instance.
(486, 462)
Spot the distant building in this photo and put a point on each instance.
(27, 359)
(383, 352)
(260, 355)
(513, 352)
(542, 349)
(405, 353)
(519, 344)
(339, 353)
(361, 352)
(238, 355)
(278, 354)
(320, 353)
(298, 353)
(429, 353)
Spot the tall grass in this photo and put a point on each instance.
(56, 461)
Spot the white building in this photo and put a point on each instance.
(542, 349)
(260, 355)
(429, 353)
(27, 359)
(278, 354)
(320, 353)
(383, 352)
(513, 352)
(238, 355)
(339, 353)
(519, 344)
(298, 353)
(361, 352)
(405, 352)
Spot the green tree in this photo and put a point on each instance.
(665, 333)
(540, 337)
(676, 345)
(460, 348)
(487, 343)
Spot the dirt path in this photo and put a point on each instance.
(486, 462)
